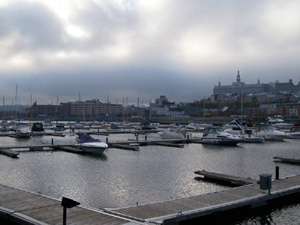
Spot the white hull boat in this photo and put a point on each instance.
(217, 136)
(294, 133)
(279, 123)
(23, 130)
(90, 145)
(174, 134)
(268, 132)
(244, 134)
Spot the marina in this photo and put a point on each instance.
(136, 185)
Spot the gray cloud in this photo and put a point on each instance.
(144, 49)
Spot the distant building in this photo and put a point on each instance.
(238, 87)
(89, 108)
(162, 107)
(287, 88)
(261, 92)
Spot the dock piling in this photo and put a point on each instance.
(277, 173)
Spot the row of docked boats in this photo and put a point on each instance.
(235, 133)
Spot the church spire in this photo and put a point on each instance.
(238, 77)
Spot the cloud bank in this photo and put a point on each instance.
(143, 49)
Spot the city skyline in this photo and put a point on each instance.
(138, 49)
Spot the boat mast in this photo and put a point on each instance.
(3, 116)
(30, 108)
(204, 108)
(242, 105)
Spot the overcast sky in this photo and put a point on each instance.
(143, 49)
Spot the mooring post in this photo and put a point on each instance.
(277, 173)
(145, 137)
(52, 141)
(107, 140)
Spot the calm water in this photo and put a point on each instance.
(154, 173)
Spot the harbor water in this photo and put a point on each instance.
(154, 173)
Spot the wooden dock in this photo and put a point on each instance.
(196, 207)
(224, 178)
(286, 160)
(28, 208)
(32, 209)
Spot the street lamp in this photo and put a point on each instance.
(67, 203)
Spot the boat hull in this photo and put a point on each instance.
(96, 148)
(219, 141)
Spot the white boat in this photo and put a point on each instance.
(78, 125)
(197, 126)
(244, 133)
(47, 123)
(279, 123)
(23, 130)
(294, 132)
(268, 132)
(174, 134)
(217, 136)
(89, 144)
(58, 127)
(146, 126)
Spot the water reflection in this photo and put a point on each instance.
(99, 156)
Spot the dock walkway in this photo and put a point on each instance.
(174, 211)
(28, 208)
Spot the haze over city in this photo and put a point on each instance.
(143, 49)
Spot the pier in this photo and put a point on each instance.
(127, 145)
(29, 208)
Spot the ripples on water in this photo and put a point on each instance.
(154, 173)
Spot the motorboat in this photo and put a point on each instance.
(112, 127)
(197, 126)
(78, 125)
(47, 123)
(146, 126)
(268, 132)
(217, 136)
(174, 134)
(279, 123)
(294, 132)
(23, 130)
(58, 127)
(244, 133)
(37, 129)
(90, 144)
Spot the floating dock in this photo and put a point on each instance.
(224, 178)
(22, 207)
(28, 208)
(131, 144)
(286, 160)
(196, 207)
